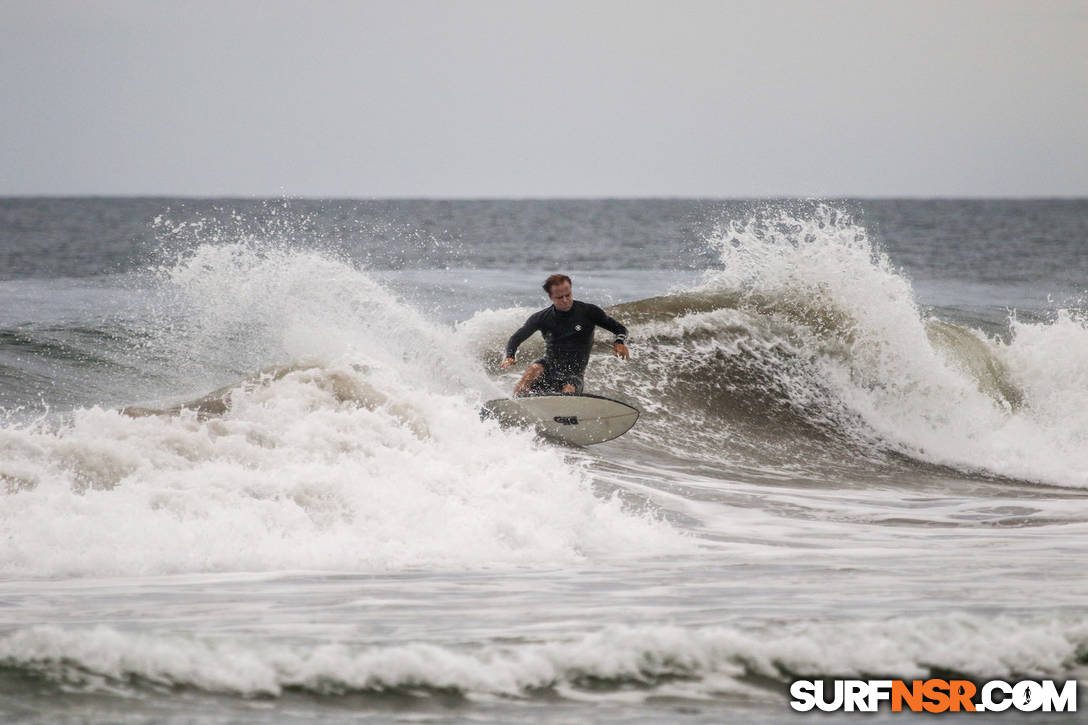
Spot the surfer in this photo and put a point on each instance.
(567, 327)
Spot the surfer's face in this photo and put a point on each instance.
(561, 296)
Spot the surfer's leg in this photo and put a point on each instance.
(532, 374)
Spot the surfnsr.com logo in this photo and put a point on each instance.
(933, 695)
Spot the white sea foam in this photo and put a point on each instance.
(368, 454)
(856, 316)
(1049, 363)
(712, 660)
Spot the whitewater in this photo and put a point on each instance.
(243, 474)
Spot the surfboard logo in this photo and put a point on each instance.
(566, 419)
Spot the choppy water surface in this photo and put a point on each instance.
(243, 478)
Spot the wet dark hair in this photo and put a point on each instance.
(553, 281)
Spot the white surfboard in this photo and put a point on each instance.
(581, 420)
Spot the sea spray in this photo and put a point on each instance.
(368, 454)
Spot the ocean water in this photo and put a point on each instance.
(243, 477)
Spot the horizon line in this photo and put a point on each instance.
(486, 198)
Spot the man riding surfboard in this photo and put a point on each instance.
(567, 327)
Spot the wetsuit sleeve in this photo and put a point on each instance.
(603, 320)
(531, 325)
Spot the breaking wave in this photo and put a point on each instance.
(344, 432)
(364, 452)
(807, 344)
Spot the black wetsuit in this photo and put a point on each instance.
(569, 338)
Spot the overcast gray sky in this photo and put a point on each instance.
(545, 99)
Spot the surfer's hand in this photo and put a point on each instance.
(620, 351)
(507, 362)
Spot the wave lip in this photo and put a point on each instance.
(809, 326)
